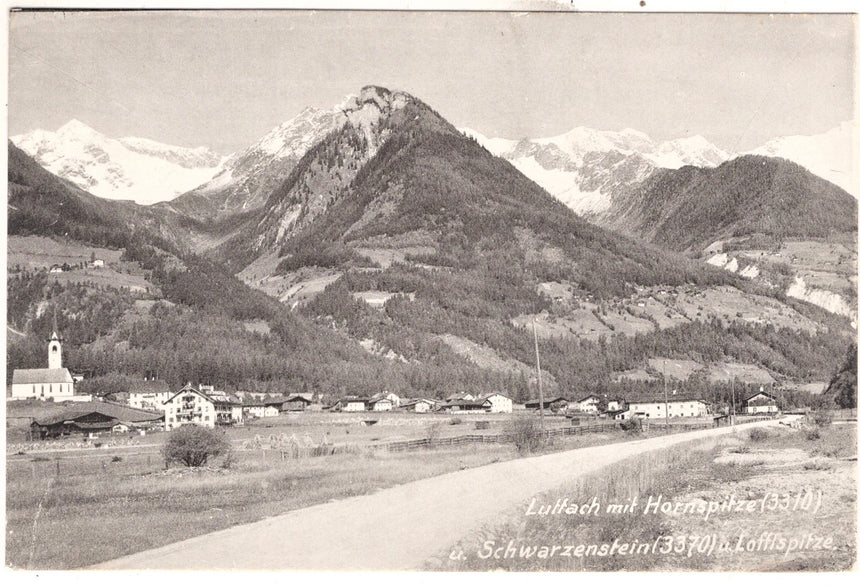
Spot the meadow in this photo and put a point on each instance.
(120, 499)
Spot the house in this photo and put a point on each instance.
(463, 405)
(295, 403)
(614, 405)
(96, 417)
(556, 404)
(497, 403)
(418, 405)
(656, 407)
(380, 404)
(97, 264)
(253, 408)
(588, 404)
(760, 403)
(54, 382)
(395, 400)
(228, 408)
(273, 405)
(618, 414)
(189, 405)
(460, 397)
(351, 404)
(148, 394)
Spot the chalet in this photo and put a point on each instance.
(189, 405)
(656, 407)
(554, 405)
(588, 404)
(497, 403)
(393, 397)
(295, 403)
(54, 382)
(228, 409)
(379, 404)
(460, 397)
(351, 404)
(273, 405)
(253, 408)
(761, 403)
(418, 405)
(463, 405)
(97, 417)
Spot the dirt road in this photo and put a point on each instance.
(396, 528)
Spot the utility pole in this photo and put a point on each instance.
(733, 400)
(540, 384)
(666, 394)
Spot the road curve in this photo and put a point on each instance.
(398, 528)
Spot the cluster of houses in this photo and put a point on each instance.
(204, 405)
(760, 403)
(96, 263)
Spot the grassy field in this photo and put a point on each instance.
(117, 500)
(777, 469)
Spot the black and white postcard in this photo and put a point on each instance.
(533, 289)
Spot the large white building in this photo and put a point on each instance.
(498, 403)
(54, 382)
(657, 408)
(190, 405)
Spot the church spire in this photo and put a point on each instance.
(55, 349)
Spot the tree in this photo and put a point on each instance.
(193, 446)
(843, 385)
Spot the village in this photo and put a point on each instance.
(152, 406)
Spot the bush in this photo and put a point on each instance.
(757, 434)
(193, 445)
(813, 433)
(632, 425)
(525, 433)
(455, 421)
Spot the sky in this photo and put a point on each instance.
(223, 79)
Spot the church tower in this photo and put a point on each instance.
(55, 352)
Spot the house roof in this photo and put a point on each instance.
(615, 412)
(493, 394)
(293, 398)
(757, 393)
(661, 400)
(110, 410)
(409, 402)
(586, 398)
(188, 389)
(148, 386)
(547, 401)
(39, 376)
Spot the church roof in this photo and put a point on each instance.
(40, 376)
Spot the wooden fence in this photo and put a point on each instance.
(507, 438)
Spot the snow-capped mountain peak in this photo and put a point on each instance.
(74, 128)
(584, 166)
(829, 155)
(138, 169)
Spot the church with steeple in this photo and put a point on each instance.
(54, 382)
